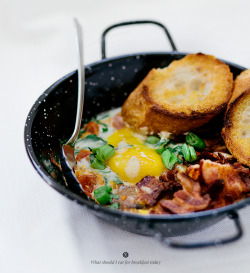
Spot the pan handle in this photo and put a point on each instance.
(176, 244)
(134, 23)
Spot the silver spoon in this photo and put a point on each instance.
(68, 160)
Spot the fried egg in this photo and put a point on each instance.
(133, 160)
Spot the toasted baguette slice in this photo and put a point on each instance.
(181, 97)
(236, 131)
(242, 82)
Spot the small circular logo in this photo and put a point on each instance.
(125, 254)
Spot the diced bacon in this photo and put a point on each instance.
(158, 209)
(214, 190)
(238, 166)
(150, 189)
(234, 187)
(82, 154)
(92, 127)
(118, 122)
(193, 171)
(244, 173)
(215, 156)
(188, 184)
(168, 176)
(171, 185)
(226, 158)
(187, 200)
(173, 206)
(208, 155)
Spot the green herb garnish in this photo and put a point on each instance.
(102, 194)
(95, 163)
(101, 123)
(94, 138)
(189, 153)
(152, 139)
(195, 141)
(169, 159)
(104, 152)
(161, 145)
(193, 155)
(160, 150)
(186, 152)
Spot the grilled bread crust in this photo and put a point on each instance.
(241, 83)
(180, 97)
(236, 131)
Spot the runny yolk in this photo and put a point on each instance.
(133, 163)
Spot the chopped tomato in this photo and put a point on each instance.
(83, 153)
(87, 181)
(92, 127)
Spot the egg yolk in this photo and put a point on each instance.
(124, 134)
(133, 163)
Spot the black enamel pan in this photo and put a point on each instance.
(108, 83)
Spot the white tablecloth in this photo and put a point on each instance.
(42, 231)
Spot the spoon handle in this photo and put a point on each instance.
(81, 82)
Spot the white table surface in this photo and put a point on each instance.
(42, 231)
